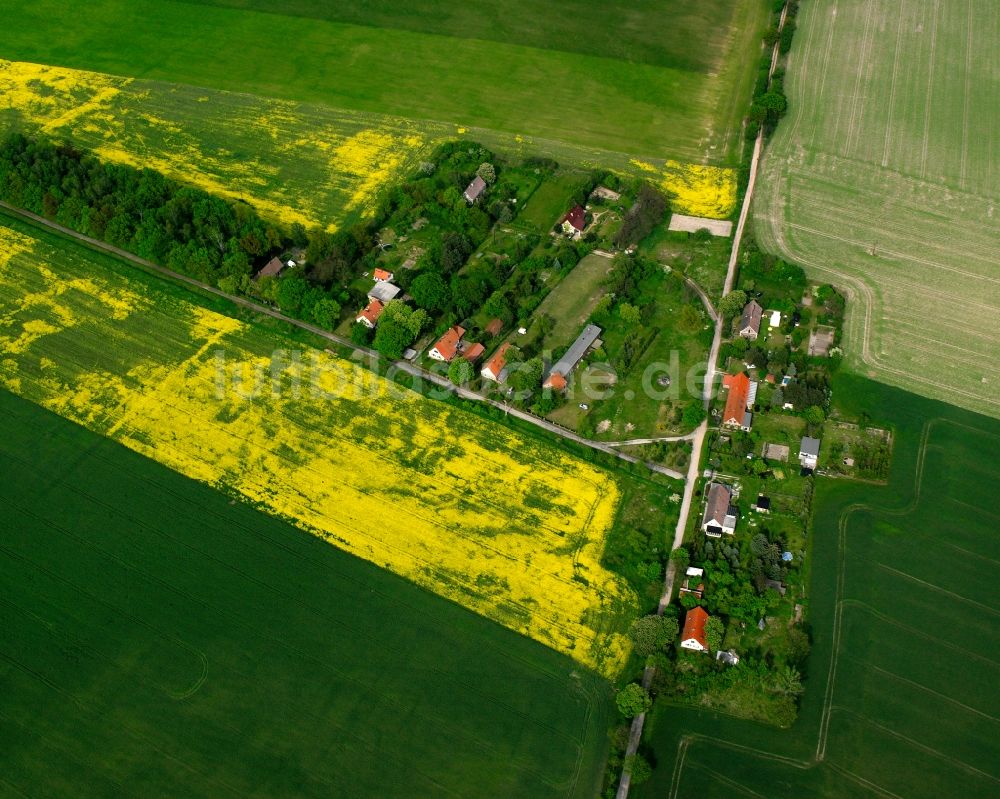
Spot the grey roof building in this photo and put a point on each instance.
(383, 292)
(809, 452)
(576, 351)
(750, 320)
(720, 513)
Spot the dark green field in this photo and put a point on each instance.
(664, 79)
(159, 640)
(901, 690)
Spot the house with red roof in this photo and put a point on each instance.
(556, 381)
(383, 276)
(369, 316)
(693, 637)
(473, 352)
(736, 413)
(496, 367)
(447, 346)
(574, 221)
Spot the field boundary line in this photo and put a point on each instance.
(855, 778)
(964, 651)
(963, 163)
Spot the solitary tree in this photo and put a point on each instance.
(815, 415)
(326, 312)
(732, 304)
(652, 633)
(632, 700)
(681, 559)
(460, 372)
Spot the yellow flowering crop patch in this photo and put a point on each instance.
(695, 189)
(294, 162)
(506, 525)
(291, 161)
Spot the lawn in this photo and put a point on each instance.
(571, 302)
(704, 261)
(162, 640)
(636, 403)
(883, 180)
(552, 199)
(507, 524)
(896, 703)
(679, 90)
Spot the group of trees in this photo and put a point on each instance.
(769, 103)
(138, 210)
(638, 222)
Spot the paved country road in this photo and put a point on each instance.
(405, 366)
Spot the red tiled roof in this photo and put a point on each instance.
(447, 345)
(555, 380)
(383, 274)
(474, 352)
(494, 327)
(576, 216)
(694, 626)
(372, 312)
(736, 402)
(496, 364)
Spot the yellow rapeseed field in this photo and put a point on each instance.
(696, 189)
(508, 526)
(294, 162)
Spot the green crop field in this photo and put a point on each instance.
(162, 640)
(900, 687)
(885, 179)
(653, 79)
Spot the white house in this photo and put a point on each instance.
(496, 367)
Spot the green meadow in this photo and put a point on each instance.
(162, 640)
(648, 79)
(900, 687)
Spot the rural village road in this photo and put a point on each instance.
(409, 368)
(635, 733)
